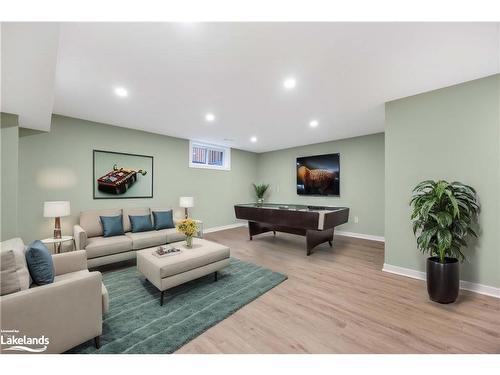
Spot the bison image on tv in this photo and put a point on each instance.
(318, 175)
(118, 180)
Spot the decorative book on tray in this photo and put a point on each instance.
(164, 251)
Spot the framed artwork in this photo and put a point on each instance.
(318, 175)
(119, 175)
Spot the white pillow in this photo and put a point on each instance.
(17, 246)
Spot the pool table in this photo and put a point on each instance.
(316, 223)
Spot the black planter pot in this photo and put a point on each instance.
(443, 279)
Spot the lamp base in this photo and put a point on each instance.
(185, 213)
(57, 227)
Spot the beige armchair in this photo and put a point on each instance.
(68, 312)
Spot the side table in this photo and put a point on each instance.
(57, 242)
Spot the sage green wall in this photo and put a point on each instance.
(58, 166)
(361, 179)
(9, 188)
(453, 134)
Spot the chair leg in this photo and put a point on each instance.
(97, 342)
(161, 297)
(215, 276)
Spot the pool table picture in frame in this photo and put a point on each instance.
(118, 175)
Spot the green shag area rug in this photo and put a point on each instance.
(136, 323)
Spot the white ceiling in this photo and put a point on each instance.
(175, 73)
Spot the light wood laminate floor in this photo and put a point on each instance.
(339, 301)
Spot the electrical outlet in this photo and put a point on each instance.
(356, 219)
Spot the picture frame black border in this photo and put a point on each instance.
(122, 153)
(316, 195)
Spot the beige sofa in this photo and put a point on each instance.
(67, 312)
(105, 250)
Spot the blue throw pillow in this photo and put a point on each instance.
(40, 263)
(163, 219)
(112, 225)
(140, 223)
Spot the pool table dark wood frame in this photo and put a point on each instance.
(303, 223)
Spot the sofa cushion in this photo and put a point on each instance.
(101, 246)
(9, 280)
(143, 240)
(17, 246)
(112, 226)
(40, 263)
(141, 223)
(163, 219)
(91, 223)
(173, 235)
(71, 275)
(127, 226)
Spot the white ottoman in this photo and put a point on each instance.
(203, 258)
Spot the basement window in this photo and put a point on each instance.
(208, 156)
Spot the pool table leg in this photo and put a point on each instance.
(255, 228)
(316, 237)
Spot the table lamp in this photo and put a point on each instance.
(186, 202)
(56, 209)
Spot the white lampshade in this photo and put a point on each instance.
(56, 209)
(186, 202)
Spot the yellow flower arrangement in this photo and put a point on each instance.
(187, 226)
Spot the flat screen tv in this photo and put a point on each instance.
(318, 175)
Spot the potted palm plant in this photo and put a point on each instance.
(443, 214)
(260, 190)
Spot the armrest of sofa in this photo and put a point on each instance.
(80, 237)
(70, 262)
(67, 312)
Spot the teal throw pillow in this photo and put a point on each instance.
(163, 219)
(40, 263)
(141, 223)
(112, 225)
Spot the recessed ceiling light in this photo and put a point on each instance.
(289, 83)
(210, 117)
(313, 123)
(253, 139)
(121, 92)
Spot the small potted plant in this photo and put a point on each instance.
(443, 214)
(260, 190)
(189, 227)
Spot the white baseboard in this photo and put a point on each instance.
(224, 227)
(465, 285)
(360, 235)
